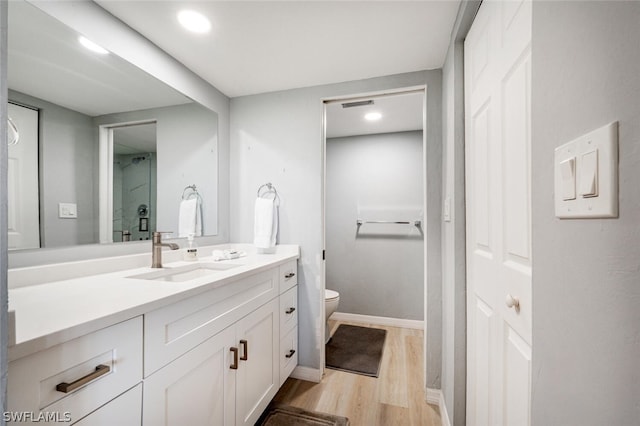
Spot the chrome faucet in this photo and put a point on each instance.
(156, 249)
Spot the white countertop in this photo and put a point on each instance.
(49, 313)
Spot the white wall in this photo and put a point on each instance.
(586, 279)
(277, 137)
(376, 177)
(67, 160)
(454, 316)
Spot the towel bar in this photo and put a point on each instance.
(417, 223)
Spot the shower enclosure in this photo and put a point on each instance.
(134, 184)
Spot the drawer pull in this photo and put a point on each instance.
(290, 311)
(245, 350)
(291, 352)
(234, 366)
(70, 387)
(290, 275)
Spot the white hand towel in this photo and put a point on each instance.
(189, 221)
(266, 223)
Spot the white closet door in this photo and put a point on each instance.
(24, 214)
(498, 179)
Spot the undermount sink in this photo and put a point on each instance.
(185, 273)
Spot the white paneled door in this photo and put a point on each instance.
(23, 204)
(498, 182)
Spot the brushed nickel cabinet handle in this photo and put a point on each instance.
(291, 352)
(234, 366)
(290, 310)
(70, 387)
(245, 351)
(290, 275)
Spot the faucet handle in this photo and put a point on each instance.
(157, 235)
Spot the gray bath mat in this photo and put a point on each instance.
(356, 349)
(284, 415)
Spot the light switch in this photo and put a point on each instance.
(591, 160)
(568, 172)
(67, 211)
(589, 174)
(447, 209)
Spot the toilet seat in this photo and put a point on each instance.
(330, 294)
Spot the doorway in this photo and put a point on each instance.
(128, 181)
(373, 208)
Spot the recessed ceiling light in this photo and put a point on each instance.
(372, 116)
(92, 46)
(194, 21)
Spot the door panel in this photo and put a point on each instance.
(23, 199)
(517, 373)
(498, 181)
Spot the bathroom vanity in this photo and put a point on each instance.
(206, 343)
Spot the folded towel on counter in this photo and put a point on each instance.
(266, 223)
(228, 254)
(190, 218)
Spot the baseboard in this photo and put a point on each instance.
(435, 397)
(368, 319)
(307, 373)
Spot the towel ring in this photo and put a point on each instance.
(194, 192)
(270, 190)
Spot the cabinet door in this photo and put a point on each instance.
(258, 374)
(197, 389)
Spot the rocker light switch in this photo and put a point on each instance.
(586, 175)
(67, 211)
(589, 175)
(568, 171)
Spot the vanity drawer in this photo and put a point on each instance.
(288, 275)
(78, 376)
(125, 410)
(288, 310)
(288, 354)
(171, 331)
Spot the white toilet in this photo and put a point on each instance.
(331, 300)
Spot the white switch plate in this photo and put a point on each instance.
(604, 141)
(447, 209)
(67, 210)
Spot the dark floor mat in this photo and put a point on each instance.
(284, 415)
(356, 349)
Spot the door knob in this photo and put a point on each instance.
(513, 302)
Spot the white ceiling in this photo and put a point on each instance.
(135, 139)
(264, 46)
(400, 113)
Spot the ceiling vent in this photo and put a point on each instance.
(357, 104)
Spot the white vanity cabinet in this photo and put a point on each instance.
(69, 381)
(214, 359)
(213, 352)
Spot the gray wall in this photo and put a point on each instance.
(586, 280)
(4, 300)
(187, 154)
(68, 153)
(277, 137)
(379, 270)
(454, 318)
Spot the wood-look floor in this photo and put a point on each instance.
(396, 397)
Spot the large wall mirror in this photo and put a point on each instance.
(106, 152)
